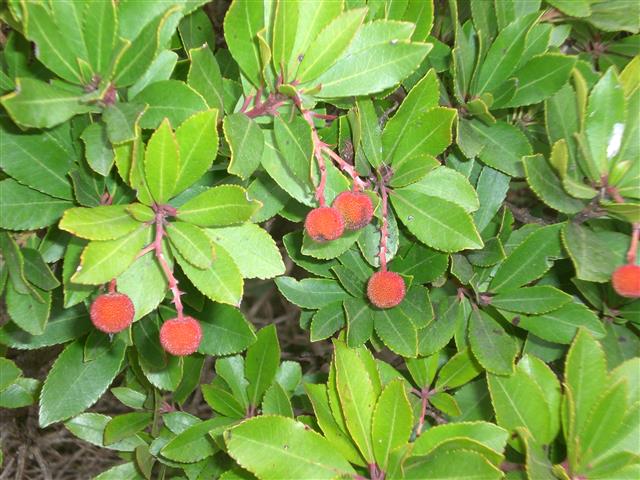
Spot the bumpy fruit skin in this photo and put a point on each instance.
(356, 209)
(181, 336)
(386, 289)
(626, 281)
(112, 312)
(323, 224)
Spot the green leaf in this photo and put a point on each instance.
(90, 428)
(194, 443)
(22, 393)
(486, 433)
(360, 318)
(585, 374)
(504, 146)
(162, 163)
(606, 110)
(263, 358)
(460, 369)
(124, 426)
(541, 77)
(332, 249)
(27, 209)
(529, 260)
(221, 282)
(8, 373)
(192, 243)
(54, 50)
(595, 254)
(246, 142)
(38, 160)
(139, 53)
(74, 385)
(198, 145)
(448, 184)
(327, 321)
(490, 344)
(438, 333)
(26, 104)
(531, 300)
(99, 31)
(243, 21)
(294, 141)
(104, 260)
(430, 134)
(275, 447)
(397, 331)
(276, 402)
(160, 69)
(97, 148)
(451, 465)
(503, 55)
(30, 311)
(218, 207)
(547, 186)
(392, 422)
(145, 283)
(225, 330)
(371, 64)
(205, 77)
(63, 325)
(99, 223)
(222, 402)
(412, 170)
(561, 326)
(129, 397)
(37, 271)
(171, 99)
(538, 465)
(329, 43)
(310, 292)
(124, 471)
(422, 263)
(357, 397)
(437, 223)
(285, 25)
(231, 370)
(519, 402)
(122, 120)
(293, 245)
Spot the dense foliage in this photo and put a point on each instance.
(487, 159)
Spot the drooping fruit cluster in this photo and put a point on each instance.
(356, 209)
(324, 223)
(181, 336)
(386, 289)
(112, 312)
(626, 280)
(350, 211)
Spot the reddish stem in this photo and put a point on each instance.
(317, 152)
(268, 107)
(358, 183)
(162, 211)
(424, 396)
(633, 247)
(384, 234)
(112, 286)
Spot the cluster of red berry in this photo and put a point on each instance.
(352, 211)
(113, 312)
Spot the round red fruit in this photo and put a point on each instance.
(356, 209)
(181, 336)
(386, 289)
(323, 224)
(112, 312)
(626, 281)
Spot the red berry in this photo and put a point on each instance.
(356, 209)
(626, 281)
(112, 312)
(385, 289)
(324, 223)
(181, 336)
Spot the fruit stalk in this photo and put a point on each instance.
(633, 247)
(384, 229)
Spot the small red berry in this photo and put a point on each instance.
(112, 312)
(626, 281)
(181, 336)
(356, 209)
(324, 223)
(385, 289)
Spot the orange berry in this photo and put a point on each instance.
(324, 223)
(356, 209)
(112, 312)
(386, 289)
(626, 281)
(181, 336)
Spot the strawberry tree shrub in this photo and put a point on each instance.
(460, 183)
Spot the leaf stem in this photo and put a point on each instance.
(384, 229)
